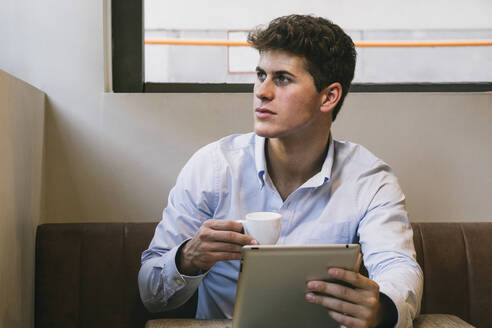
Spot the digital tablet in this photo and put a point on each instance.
(272, 284)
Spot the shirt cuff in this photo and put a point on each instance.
(390, 314)
(162, 287)
(402, 306)
(175, 279)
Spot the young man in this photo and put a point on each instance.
(327, 191)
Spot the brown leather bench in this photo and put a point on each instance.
(86, 273)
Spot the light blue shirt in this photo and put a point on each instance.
(355, 198)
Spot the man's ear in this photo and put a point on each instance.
(330, 97)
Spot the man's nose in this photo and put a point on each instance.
(265, 90)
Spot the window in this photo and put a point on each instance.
(194, 68)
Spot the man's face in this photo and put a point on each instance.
(286, 102)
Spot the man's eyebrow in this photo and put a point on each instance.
(283, 73)
(276, 73)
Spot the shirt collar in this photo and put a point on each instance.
(325, 174)
(315, 181)
(260, 160)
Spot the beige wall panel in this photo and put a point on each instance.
(440, 146)
(21, 152)
(123, 169)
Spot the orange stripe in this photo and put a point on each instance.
(433, 43)
(361, 44)
(183, 42)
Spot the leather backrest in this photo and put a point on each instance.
(86, 273)
(457, 269)
(86, 276)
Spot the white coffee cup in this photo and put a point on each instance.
(265, 227)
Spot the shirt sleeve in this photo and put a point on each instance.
(191, 202)
(386, 239)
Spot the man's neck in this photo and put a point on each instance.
(291, 162)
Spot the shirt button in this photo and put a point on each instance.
(179, 282)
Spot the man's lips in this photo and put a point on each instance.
(261, 110)
(263, 113)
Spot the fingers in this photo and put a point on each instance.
(225, 225)
(197, 255)
(335, 290)
(226, 256)
(225, 231)
(354, 306)
(345, 313)
(221, 247)
(333, 303)
(216, 240)
(210, 258)
(355, 279)
(346, 320)
(365, 291)
(225, 237)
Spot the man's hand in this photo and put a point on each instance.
(216, 240)
(357, 306)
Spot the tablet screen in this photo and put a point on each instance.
(272, 284)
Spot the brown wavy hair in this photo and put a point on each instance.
(329, 52)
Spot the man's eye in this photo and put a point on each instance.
(261, 75)
(283, 79)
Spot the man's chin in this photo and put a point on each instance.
(264, 134)
(264, 130)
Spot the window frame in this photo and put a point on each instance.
(127, 33)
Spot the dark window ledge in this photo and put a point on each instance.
(356, 87)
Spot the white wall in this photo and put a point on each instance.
(21, 153)
(58, 47)
(350, 14)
